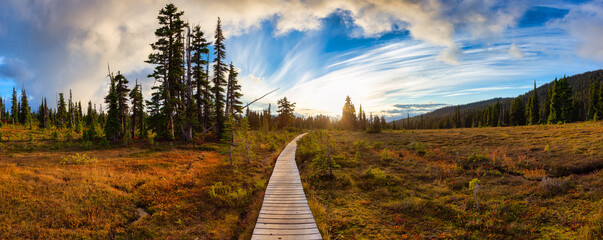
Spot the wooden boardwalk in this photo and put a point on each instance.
(285, 213)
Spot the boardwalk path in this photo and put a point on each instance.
(285, 213)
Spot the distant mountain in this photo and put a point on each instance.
(580, 84)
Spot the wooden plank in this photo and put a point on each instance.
(285, 226)
(286, 231)
(285, 221)
(285, 213)
(286, 237)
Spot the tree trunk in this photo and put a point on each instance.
(329, 155)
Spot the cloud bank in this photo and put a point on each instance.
(74, 40)
(54, 46)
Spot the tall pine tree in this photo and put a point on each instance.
(137, 111)
(219, 79)
(61, 112)
(122, 91)
(233, 93)
(348, 115)
(24, 110)
(533, 109)
(518, 111)
(594, 100)
(203, 94)
(561, 102)
(169, 70)
(14, 109)
(113, 121)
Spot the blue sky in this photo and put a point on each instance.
(392, 57)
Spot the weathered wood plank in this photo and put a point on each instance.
(285, 213)
(286, 237)
(308, 231)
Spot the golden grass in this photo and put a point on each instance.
(422, 191)
(46, 192)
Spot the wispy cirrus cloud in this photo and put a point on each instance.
(406, 72)
(66, 45)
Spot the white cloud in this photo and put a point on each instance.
(585, 23)
(515, 51)
(82, 36)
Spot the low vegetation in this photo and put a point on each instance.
(532, 182)
(70, 188)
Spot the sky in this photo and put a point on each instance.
(393, 57)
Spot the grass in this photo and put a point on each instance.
(535, 182)
(73, 189)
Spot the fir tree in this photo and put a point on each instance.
(14, 109)
(533, 109)
(219, 79)
(25, 110)
(113, 123)
(169, 70)
(43, 114)
(518, 116)
(594, 101)
(122, 92)
(233, 93)
(1, 111)
(546, 110)
(137, 110)
(203, 93)
(285, 112)
(561, 102)
(70, 111)
(348, 115)
(359, 118)
(61, 115)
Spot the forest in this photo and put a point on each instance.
(568, 99)
(193, 161)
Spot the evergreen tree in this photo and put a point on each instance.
(169, 70)
(122, 91)
(518, 111)
(533, 109)
(1, 111)
(14, 109)
(61, 115)
(219, 79)
(456, 117)
(113, 122)
(375, 126)
(285, 112)
(360, 123)
(233, 93)
(546, 111)
(348, 115)
(600, 111)
(203, 94)
(91, 114)
(70, 112)
(43, 114)
(561, 102)
(24, 109)
(91, 123)
(595, 100)
(137, 110)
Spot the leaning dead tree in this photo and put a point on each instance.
(232, 132)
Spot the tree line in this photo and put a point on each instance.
(185, 103)
(564, 100)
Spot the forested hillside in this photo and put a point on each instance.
(582, 103)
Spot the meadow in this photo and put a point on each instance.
(531, 182)
(54, 185)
